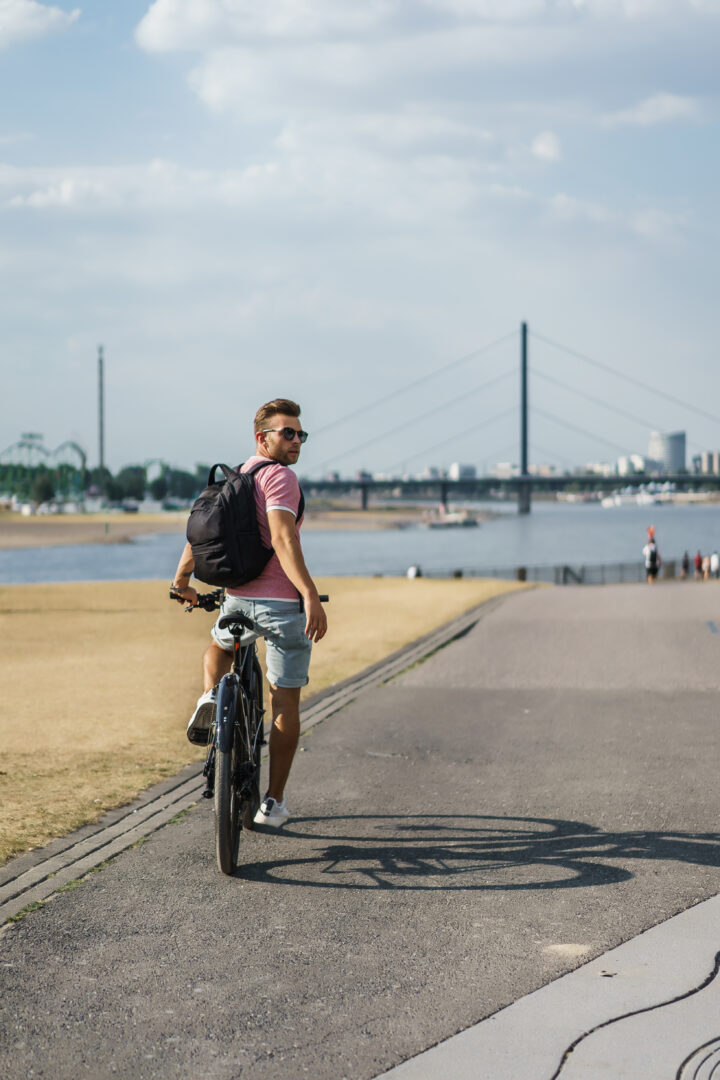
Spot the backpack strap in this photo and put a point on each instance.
(230, 474)
(261, 465)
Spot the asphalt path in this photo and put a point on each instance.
(532, 795)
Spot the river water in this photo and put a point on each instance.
(553, 534)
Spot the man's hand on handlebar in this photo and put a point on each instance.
(188, 595)
(207, 601)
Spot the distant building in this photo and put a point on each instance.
(632, 464)
(541, 470)
(504, 470)
(462, 472)
(668, 451)
(710, 462)
(597, 468)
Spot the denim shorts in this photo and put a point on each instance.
(282, 624)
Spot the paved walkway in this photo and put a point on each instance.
(539, 796)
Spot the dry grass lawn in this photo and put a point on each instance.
(99, 680)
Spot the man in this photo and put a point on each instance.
(283, 601)
(652, 560)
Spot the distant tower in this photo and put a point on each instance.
(101, 409)
(668, 450)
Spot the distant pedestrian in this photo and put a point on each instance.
(414, 571)
(652, 561)
(706, 568)
(698, 566)
(715, 565)
(685, 566)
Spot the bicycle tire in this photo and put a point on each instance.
(255, 734)
(228, 823)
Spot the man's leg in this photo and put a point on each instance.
(216, 663)
(284, 734)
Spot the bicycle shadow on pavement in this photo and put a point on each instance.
(472, 852)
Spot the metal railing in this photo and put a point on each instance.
(597, 574)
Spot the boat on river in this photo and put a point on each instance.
(453, 519)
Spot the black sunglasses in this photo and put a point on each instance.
(289, 433)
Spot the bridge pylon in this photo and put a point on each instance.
(525, 487)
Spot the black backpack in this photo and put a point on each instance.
(223, 529)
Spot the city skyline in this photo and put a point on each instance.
(31, 450)
(332, 203)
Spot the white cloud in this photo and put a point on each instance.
(14, 138)
(546, 146)
(22, 20)
(211, 24)
(206, 25)
(661, 108)
(569, 208)
(658, 224)
(158, 185)
(492, 10)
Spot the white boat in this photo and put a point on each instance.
(453, 519)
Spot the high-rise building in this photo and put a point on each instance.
(630, 464)
(710, 462)
(462, 472)
(668, 450)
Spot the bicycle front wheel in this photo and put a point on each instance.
(227, 809)
(255, 744)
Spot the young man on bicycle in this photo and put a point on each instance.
(283, 601)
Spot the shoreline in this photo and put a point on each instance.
(59, 530)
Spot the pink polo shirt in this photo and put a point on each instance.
(276, 488)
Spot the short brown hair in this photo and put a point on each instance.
(272, 408)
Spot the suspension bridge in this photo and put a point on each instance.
(522, 483)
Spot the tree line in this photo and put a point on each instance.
(42, 484)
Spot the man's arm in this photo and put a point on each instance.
(181, 580)
(288, 551)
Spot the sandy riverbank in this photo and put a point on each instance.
(99, 680)
(58, 530)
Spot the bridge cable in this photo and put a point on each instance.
(415, 382)
(551, 454)
(582, 431)
(594, 400)
(415, 419)
(628, 378)
(604, 404)
(453, 438)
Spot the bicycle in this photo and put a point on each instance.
(236, 738)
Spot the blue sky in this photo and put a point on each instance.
(329, 200)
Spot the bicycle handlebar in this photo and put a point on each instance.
(207, 601)
(213, 600)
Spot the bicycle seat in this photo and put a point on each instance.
(240, 621)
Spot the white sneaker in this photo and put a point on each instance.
(272, 813)
(199, 723)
